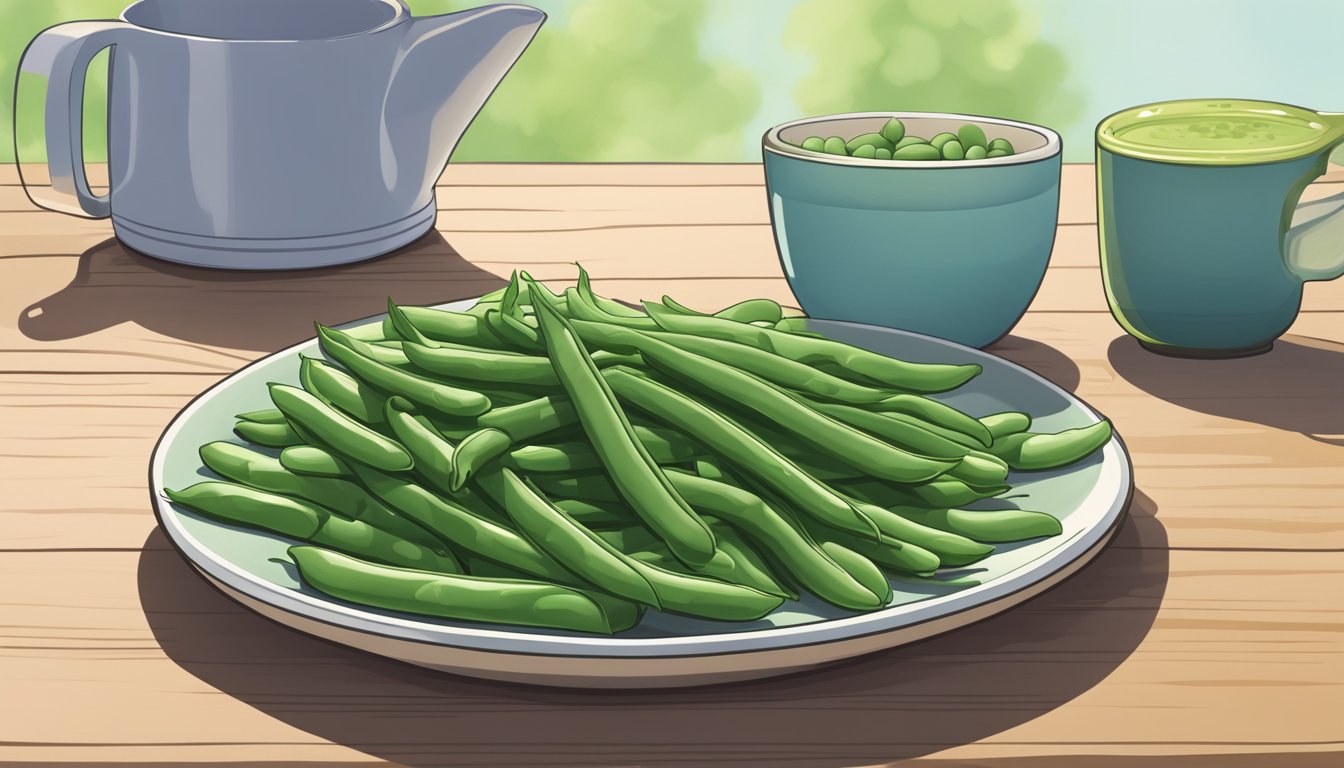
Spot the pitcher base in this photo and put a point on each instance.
(276, 253)
(1207, 354)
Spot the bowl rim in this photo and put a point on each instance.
(1054, 145)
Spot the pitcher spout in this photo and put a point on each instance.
(447, 67)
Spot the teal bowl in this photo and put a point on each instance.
(952, 249)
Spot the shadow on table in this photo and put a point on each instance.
(1296, 386)
(951, 690)
(1041, 358)
(246, 310)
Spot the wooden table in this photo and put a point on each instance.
(1211, 632)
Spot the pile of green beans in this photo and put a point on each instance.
(569, 462)
(893, 143)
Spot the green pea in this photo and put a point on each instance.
(997, 153)
(834, 146)
(882, 153)
(952, 150)
(942, 138)
(909, 140)
(866, 151)
(867, 140)
(976, 153)
(894, 130)
(917, 152)
(1003, 144)
(971, 136)
(814, 144)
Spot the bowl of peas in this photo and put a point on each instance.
(935, 223)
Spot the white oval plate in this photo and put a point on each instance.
(663, 650)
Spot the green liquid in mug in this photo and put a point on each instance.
(1215, 132)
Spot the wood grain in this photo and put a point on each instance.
(1209, 634)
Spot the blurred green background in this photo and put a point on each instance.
(700, 80)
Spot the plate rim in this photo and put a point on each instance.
(407, 627)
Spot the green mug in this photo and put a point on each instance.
(1204, 247)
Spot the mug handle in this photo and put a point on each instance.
(61, 56)
(1313, 247)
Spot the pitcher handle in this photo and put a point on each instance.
(61, 55)
(1313, 246)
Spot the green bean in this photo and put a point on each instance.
(633, 471)
(525, 421)
(593, 487)
(297, 519)
(468, 530)
(961, 438)
(592, 515)
(499, 367)
(972, 135)
(339, 431)
(827, 435)
(912, 438)
(861, 568)
(917, 151)
(553, 532)
(641, 544)
(939, 494)
(909, 377)
(893, 130)
(729, 440)
(980, 470)
(749, 311)
(267, 416)
(1035, 451)
(405, 328)
(1007, 423)
(665, 446)
(311, 460)
(751, 567)
(418, 389)
(466, 598)
(243, 465)
(433, 454)
(269, 435)
(989, 526)
(341, 390)
(512, 332)
(582, 306)
(897, 556)
(952, 150)
(369, 332)
(1001, 145)
(834, 146)
(585, 289)
(952, 549)
(940, 139)
(801, 557)
(873, 140)
(813, 144)
(443, 325)
(936, 413)
(475, 451)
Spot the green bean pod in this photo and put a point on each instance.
(827, 435)
(990, 526)
(912, 438)
(245, 466)
(800, 556)
(986, 471)
(269, 435)
(739, 446)
(594, 487)
(584, 306)
(936, 413)
(433, 454)
(341, 390)
(312, 460)
(952, 549)
(553, 532)
(898, 374)
(1004, 424)
(444, 325)
(266, 416)
(665, 446)
(512, 332)
(861, 568)
(1036, 451)
(297, 519)
(339, 431)
(448, 400)
(467, 530)
(940, 494)
(475, 451)
(528, 420)
(467, 598)
(594, 515)
(633, 471)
